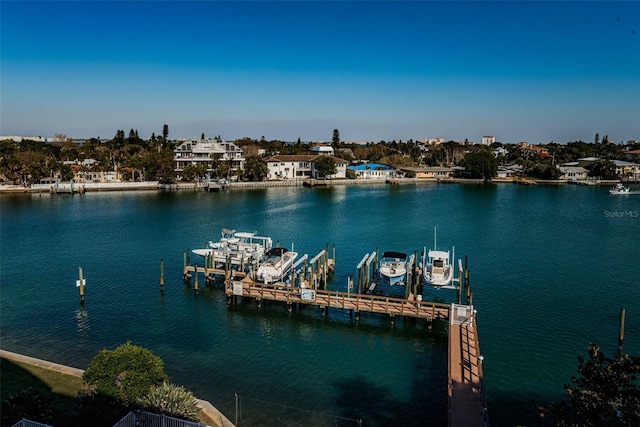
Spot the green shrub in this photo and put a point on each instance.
(171, 400)
(125, 373)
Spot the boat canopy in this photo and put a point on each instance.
(400, 255)
(244, 235)
(276, 252)
(439, 254)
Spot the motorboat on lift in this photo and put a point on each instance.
(237, 246)
(437, 266)
(277, 263)
(393, 268)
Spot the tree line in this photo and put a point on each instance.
(27, 162)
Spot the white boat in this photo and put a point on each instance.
(437, 266)
(619, 189)
(438, 270)
(393, 268)
(239, 247)
(277, 263)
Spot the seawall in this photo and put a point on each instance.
(206, 407)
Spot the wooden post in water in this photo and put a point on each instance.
(326, 265)
(375, 262)
(333, 256)
(80, 283)
(195, 278)
(468, 288)
(161, 275)
(621, 332)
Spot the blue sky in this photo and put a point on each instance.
(521, 71)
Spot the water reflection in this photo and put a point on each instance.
(83, 322)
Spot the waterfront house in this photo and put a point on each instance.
(207, 151)
(300, 167)
(429, 172)
(82, 176)
(627, 169)
(573, 173)
(371, 171)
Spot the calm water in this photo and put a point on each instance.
(550, 269)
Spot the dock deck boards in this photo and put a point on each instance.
(349, 301)
(466, 403)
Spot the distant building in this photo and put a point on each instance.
(371, 171)
(300, 167)
(500, 151)
(627, 169)
(195, 151)
(632, 155)
(325, 149)
(433, 141)
(573, 173)
(430, 172)
(488, 140)
(23, 138)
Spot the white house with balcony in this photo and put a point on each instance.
(207, 151)
(300, 167)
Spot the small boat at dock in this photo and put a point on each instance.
(393, 268)
(438, 270)
(238, 246)
(437, 266)
(277, 263)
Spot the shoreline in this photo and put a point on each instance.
(155, 186)
(206, 407)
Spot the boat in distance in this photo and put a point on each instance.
(621, 189)
(393, 267)
(277, 263)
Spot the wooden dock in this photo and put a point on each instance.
(336, 299)
(466, 405)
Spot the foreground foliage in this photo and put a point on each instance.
(607, 392)
(172, 400)
(32, 403)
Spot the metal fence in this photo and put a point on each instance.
(252, 412)
(27, 423)
(148, 419)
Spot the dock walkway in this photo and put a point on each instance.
(340, 300)
(466, 406)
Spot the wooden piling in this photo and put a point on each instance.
(80, 283)
(333, 256)
(621, 332)
(195, 278)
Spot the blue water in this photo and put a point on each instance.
(550, 269)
